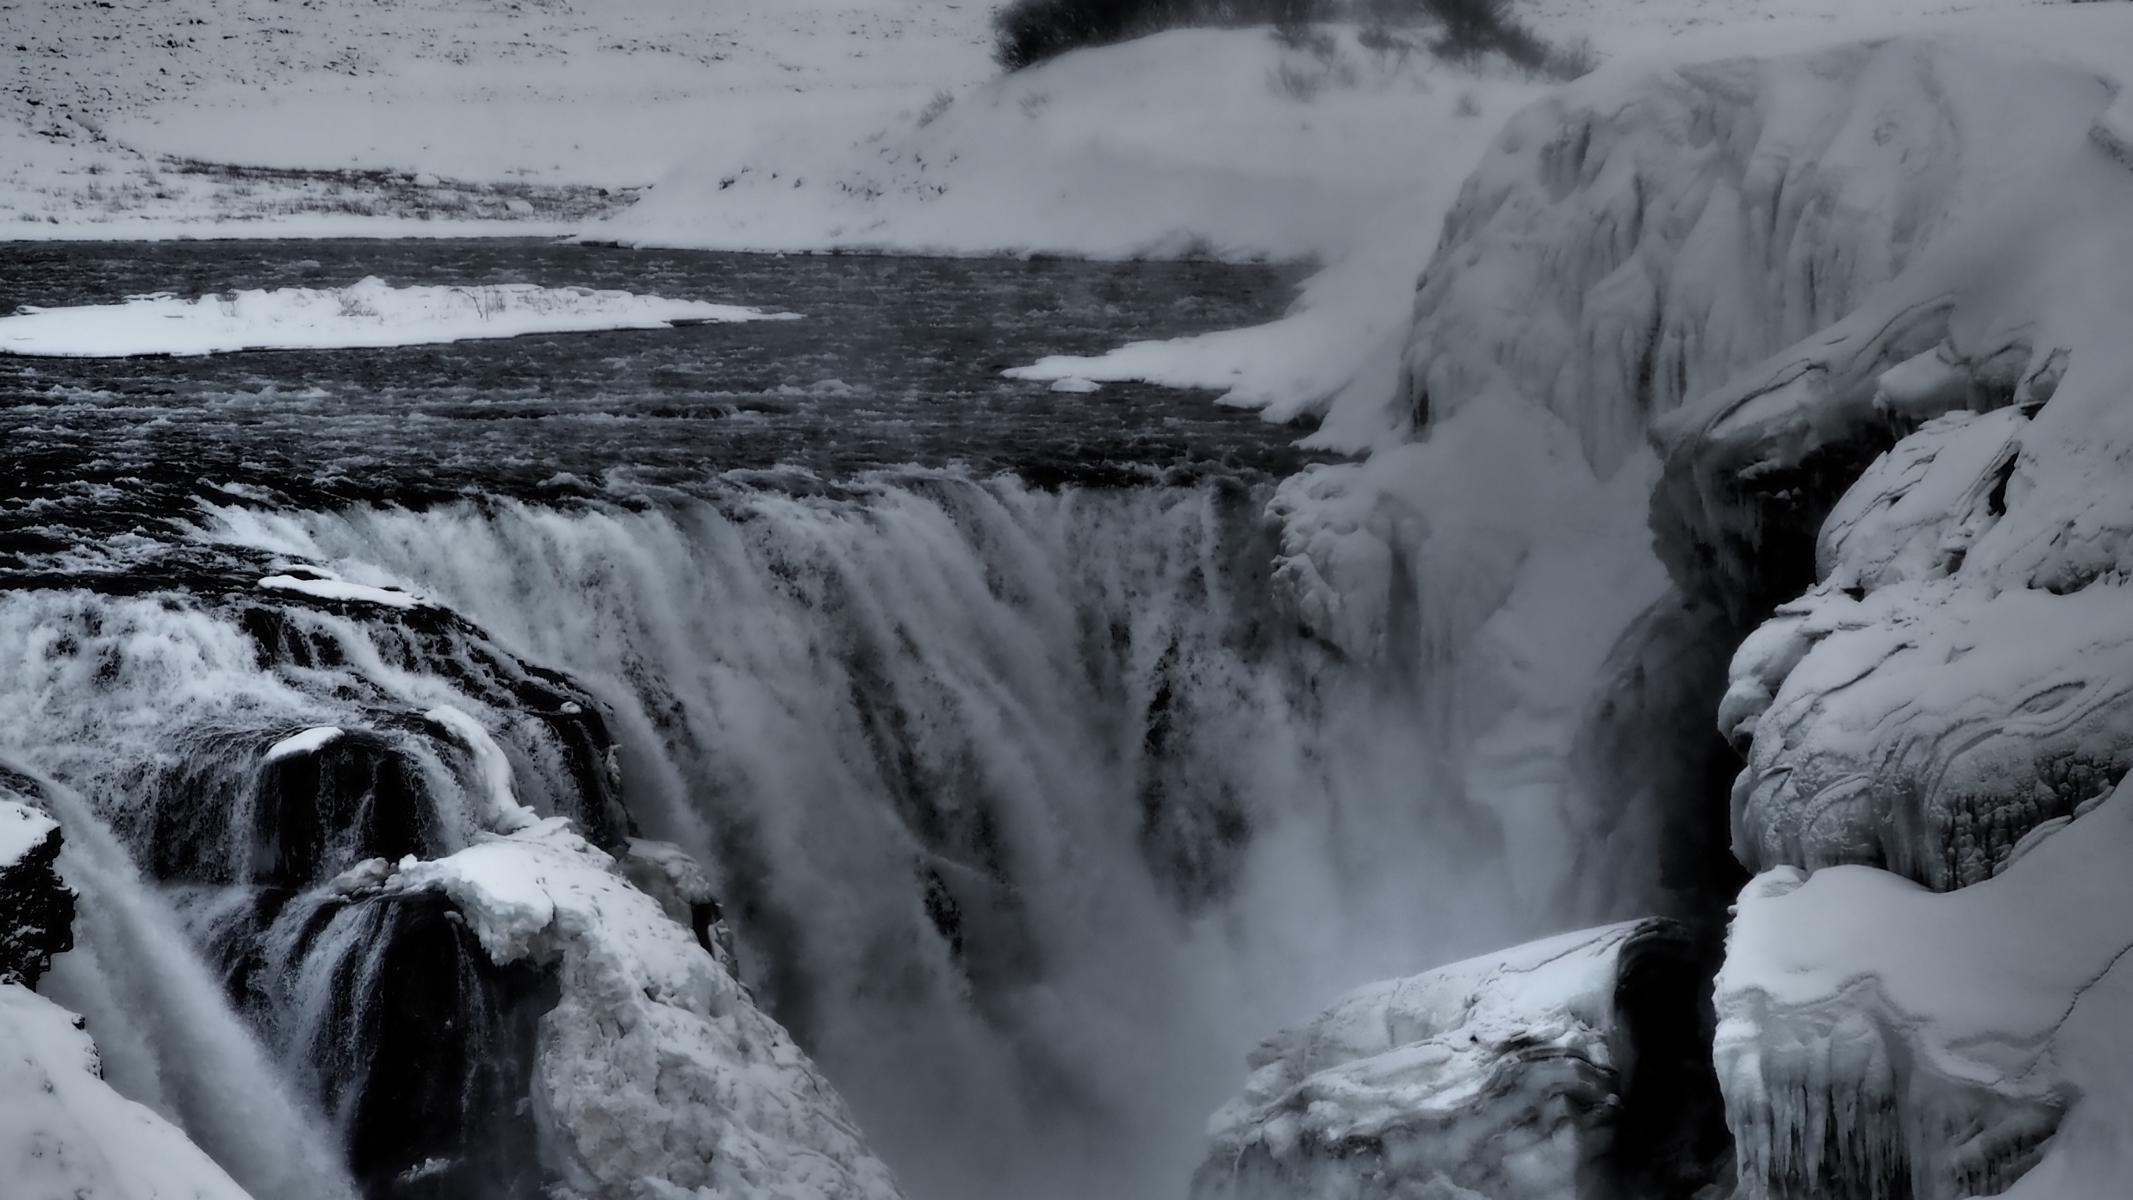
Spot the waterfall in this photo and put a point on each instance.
(198, 798)
(1029, 808)
(176, 1043)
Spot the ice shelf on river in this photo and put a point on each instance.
(364, 315)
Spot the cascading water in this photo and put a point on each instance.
(1028, 799)
(178, 1043)
(1028, 806)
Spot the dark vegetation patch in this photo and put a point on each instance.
(1027, 32)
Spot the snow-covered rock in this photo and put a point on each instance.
(1944, 470)
(36, 907)
(1916, 511)
(370, 313)
(1876, 1038)
(655, 1072)
(65, 1132)
(1509, 1076)
(302, 742)
(654, 1068)
(1928, 727)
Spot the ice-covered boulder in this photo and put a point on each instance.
(1878, 1039)
(1555, 1069)
(1928, 727)
(1915, 512)
(655, 1073)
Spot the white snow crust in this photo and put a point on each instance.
(304, 741)
(371, 313)
(22, 829)
(65, 1132)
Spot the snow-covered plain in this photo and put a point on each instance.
(369, 313)
(131, 118)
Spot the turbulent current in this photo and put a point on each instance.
(1026, 804)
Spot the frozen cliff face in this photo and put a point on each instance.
(1630, 242)
(1945, 471)
(1870, 301)
(1993, 310)
(1876, 1038)
(1551, 1070)
(1634, 243)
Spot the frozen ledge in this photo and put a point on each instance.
(1527, 1074)
(1877, 1038)
(366, 315)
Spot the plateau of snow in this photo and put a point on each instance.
(369, 313)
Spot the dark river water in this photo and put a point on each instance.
(896, 362)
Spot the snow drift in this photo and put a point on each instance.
(371, 313)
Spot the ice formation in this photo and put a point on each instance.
(1877, 1038)
(1958, 669)
(1510, 1075)
(370, 313)
(1942, 468)
(1864, 297)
